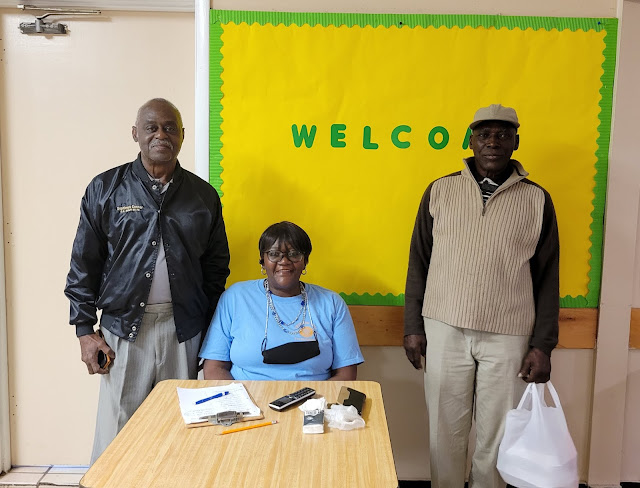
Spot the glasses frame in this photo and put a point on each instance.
(287, 254)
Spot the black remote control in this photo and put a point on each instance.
(292, 398)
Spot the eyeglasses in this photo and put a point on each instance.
(293, 255)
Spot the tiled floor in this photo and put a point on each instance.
(69, 477)
(43, 476)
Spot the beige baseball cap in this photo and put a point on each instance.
(495, 112)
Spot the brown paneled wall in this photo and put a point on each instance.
(382, 326)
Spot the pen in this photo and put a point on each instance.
(212, 397)
(248, 427)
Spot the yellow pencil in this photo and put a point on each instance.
(230, 431)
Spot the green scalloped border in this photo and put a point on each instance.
(602, 165)
(409, 20)
(215, 105)
(610, 25)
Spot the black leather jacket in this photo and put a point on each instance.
(122, 218)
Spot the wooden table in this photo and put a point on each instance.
(155, 449)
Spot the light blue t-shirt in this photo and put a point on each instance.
(238, 325)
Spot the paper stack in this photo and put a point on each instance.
(237, 400)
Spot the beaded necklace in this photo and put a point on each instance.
(304, 307)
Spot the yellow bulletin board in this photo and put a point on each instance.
(338, 122)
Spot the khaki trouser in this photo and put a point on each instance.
(156, 355)
(466, 370)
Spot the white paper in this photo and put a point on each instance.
(238, 400)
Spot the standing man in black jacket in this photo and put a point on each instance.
(151, 252)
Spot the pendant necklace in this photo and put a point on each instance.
(290, 328)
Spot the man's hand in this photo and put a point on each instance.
(90, 344)
(536, 367)
(415, 345)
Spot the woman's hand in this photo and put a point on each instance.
(348, 373)
(217, 370)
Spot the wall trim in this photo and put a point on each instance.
(634, 329)
(383, 326)
(5, 426)
(202, 89)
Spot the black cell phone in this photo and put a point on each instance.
(349, 396)
(103, 359)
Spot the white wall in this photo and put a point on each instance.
(542, 8)
(66, 107)
(631, 445)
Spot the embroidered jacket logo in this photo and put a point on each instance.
(129, 208)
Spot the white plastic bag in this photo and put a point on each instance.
(344, 417)
(537, 450)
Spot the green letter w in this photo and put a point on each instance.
(303, 134)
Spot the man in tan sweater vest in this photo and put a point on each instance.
(482, 298)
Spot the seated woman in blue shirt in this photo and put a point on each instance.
(280, 328)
